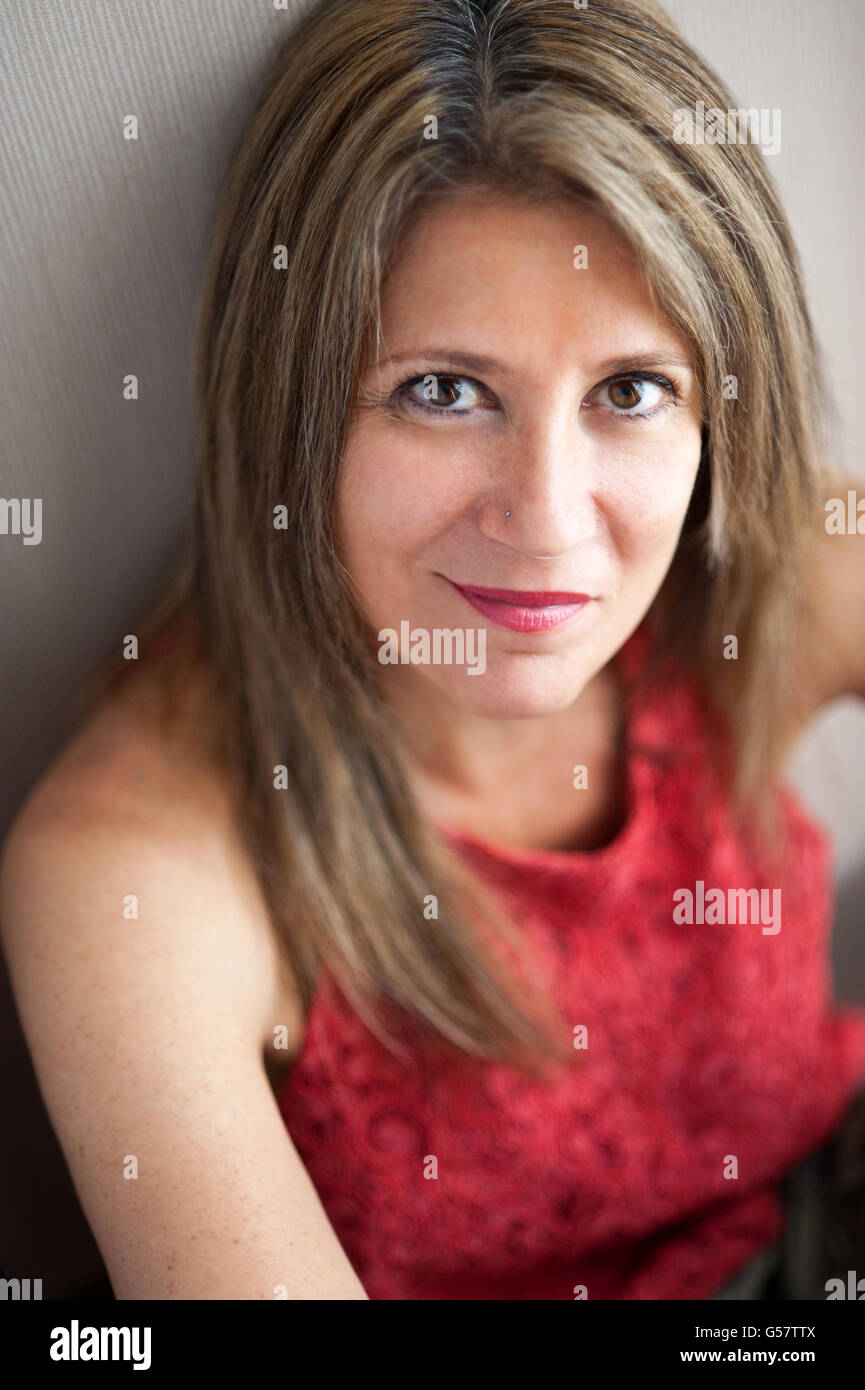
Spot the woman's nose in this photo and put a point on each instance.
(544, 479)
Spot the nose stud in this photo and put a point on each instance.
(507, 513)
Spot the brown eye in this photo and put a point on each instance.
(440, 394)
(636, 397)
(625, 394)
(446, 385)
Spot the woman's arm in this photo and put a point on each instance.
(148, 1036)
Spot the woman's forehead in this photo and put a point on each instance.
(503, 279)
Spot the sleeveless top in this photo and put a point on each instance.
(715, 1060)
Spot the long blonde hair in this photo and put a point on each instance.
(542, 99)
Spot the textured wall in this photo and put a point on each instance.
(102, 248)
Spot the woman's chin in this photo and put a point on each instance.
(494, 695)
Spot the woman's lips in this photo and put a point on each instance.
(524, 610)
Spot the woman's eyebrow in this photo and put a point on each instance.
(643, 361)
(471, 359)
(649, 360)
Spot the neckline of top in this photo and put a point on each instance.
(639, 785)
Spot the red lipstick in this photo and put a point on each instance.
(524, 610)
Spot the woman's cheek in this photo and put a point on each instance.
(652, 489)
(409, 484)
(388, 500)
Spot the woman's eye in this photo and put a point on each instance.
(635, 396)
(440, 394)
(447, 393)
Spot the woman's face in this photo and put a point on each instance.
(529, 397)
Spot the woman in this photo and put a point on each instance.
(423, 916)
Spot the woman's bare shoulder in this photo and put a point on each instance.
(131, 786)
(127, 766)
(145, 979)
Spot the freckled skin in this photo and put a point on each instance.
(420, 498)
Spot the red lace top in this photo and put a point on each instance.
(704, 1042)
